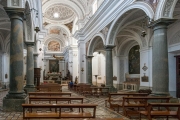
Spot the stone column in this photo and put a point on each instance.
(160, 73)
(30, 68)
(16, 96)
(89, 59)
(109, 68)
(35, 60)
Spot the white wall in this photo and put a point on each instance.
(75, 65)
(98, 68)
(146, 59)
(172, 72)
(5, 67)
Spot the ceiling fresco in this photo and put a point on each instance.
(54, 46)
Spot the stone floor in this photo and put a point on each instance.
(102, 112)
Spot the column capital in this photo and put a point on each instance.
(36, 54)
(109, 47)
(90, 56)
(30, 43)
(162, 21)
(15, 13)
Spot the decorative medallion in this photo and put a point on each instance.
(59, 12)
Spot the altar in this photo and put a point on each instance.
(54, 76)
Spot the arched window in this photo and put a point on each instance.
(54, 46)
(134, 60)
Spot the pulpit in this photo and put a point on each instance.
(37, 75)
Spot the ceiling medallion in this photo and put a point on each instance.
(59, 12)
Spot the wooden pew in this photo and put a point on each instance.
(54, 98)
(49, 88)
(28, 111)
(49, 93)
(115, 103)
(150, 113)
(132, 105)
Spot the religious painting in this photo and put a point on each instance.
(134, 60)
(54, 31)
(54, 46)
(54, 66)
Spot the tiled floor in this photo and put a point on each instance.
(101, 113)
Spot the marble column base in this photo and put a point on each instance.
(119, 86)
(13, 105)
(160, 94)
(29, 88)
(112, 89)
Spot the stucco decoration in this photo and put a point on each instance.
(64, 13)
(167, 8)
(53, 46)
(28, 22)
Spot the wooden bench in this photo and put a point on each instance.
(54, 98)
(28, 111)
(151, 112)
(49, 93)
(49, 88)
(132, 105)
(115, 99)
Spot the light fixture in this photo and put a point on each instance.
(40, 49)
(56, 15)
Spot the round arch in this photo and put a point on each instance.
(94, 40)
(80, 12)
(165, 9)
(116, 23)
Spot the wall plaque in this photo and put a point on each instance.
(144, 79)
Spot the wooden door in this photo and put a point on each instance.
(177, 76)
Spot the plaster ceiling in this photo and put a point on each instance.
(66, 14)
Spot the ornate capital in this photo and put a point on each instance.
(109, 47)
(15, 13)
(162, 21)
(30, 43)
(90, 57)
